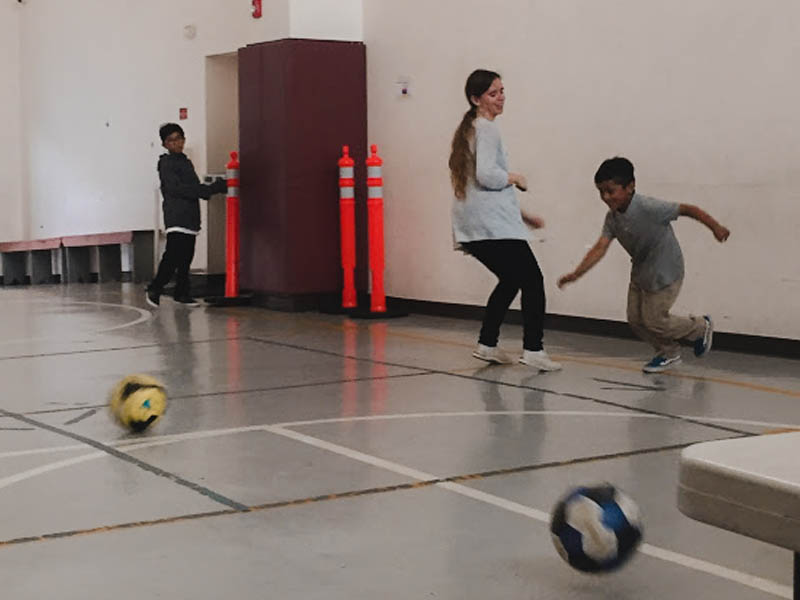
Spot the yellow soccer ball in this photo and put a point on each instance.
(138, 401)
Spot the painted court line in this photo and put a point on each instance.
(129, 445)
(54, 466)
(112, 349)
(160, 440)
(109, 450)
(82, 416)
(421, 477)
(144, 315)
(474, 377)
(758, 583)
(631, 365)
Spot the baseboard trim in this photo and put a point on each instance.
(734, 342)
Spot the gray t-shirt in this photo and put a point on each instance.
(490, 210)
(644, 230)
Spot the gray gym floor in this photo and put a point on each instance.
(311, 456)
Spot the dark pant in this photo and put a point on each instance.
(516, 268)
(177, 259)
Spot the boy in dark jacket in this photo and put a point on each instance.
(181, 189)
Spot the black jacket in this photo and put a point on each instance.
(181, 189)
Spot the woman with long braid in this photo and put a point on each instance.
(489, 224)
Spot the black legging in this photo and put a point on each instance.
(177, 259)
(516, 268)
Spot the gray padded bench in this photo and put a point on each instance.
(29, 261)
(80, 258)
(747, 485)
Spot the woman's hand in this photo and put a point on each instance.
(533, 221)
(519, 181)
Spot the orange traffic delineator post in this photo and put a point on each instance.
(375, 241)
(232, 295)
(377, 301)
(232, 228)
(347, 222)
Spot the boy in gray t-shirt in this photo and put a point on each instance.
(643, 227)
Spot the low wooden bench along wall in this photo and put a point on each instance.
(29, 261)
(33, 261)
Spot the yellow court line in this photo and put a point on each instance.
(721, 380)
(628, 367)
(562, 357)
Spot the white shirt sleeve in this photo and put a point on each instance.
(489, 172)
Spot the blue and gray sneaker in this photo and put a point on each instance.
(661, 363)
(703, 344)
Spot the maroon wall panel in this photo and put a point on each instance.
(299, 102)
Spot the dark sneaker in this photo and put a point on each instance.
(661, 363)
(703, 345)
(187, 301)
(152, 297)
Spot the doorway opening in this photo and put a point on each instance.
(222, 136)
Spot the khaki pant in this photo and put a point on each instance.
(650, 319)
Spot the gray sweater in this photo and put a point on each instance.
(490, 210)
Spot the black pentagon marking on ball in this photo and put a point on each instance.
(140, 426)
(132, 387)
(601, 494)
(558, 519)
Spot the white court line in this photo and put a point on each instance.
(564, 413)
(758, 583)
(752, 581)
(128, 444)
(161, 440)
(488, 413)
(30, 473)
(121, 445)
(144, 315)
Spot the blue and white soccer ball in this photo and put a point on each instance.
(596, 529)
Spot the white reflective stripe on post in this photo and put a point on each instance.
(346, 172)
(345, 193)
(233, 192)
(232, 174)
(375, 192)
(373, 172)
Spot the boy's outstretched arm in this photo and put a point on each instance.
(592, 257)
(698, 214)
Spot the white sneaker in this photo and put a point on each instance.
(540, 360)
(492, 354)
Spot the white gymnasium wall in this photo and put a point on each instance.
(99, 77)
(326, 19)
(699, 94)
(11, 207)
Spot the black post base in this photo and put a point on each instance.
(243, 299)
